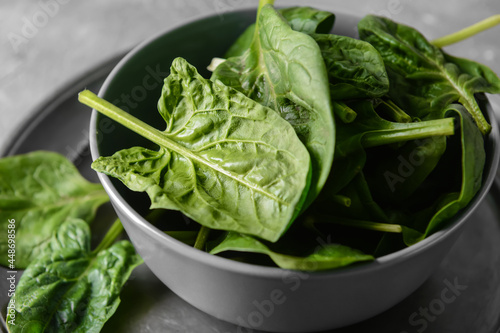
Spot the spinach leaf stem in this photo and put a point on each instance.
(202, 237)
(368, 225)
(467, 32)
(409, 131)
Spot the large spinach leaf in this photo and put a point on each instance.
(423, 78)
(284, 69)
(39, 191)
(324, 257)
(224, 160)
(68, 288)
(304, 19)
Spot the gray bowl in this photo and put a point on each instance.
(254, 297)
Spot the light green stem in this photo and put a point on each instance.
(342, 200)
(409, 131)
(394, 112)
(113, 233)
(467, 32)
(384, 227)
(202, 238)
(345, 113)
(262, 3)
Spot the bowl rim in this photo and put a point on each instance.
(221, 263)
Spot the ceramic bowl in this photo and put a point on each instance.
(251, 296)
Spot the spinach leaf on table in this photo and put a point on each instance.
(324, 257)
(68, 288)
(304, 19)
(224, 160)
(40, 190)
(423, 78)
(284, 70)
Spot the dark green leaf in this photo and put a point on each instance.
(370, 130)
(224, 160)
(355, 68)
(40, 190)
(395, 174)
(324, 257)
(68, 288)
(284, 69)
(423, 78)
(472, 163)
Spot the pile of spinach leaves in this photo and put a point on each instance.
(305, 150)
(66, 286)
(302, 135)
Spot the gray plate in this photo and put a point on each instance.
(463, 295)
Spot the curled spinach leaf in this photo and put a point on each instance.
(284, 70)
(224, 160)
(324, 257)
(40, 190)
(472, 159)
(423, 78)
(68, 288)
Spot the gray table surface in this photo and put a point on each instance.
(45, 44)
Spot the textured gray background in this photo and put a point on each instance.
(76, 35)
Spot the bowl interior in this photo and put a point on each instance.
(135, 85)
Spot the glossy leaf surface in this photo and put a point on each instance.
(284, 70)
(224, 160)
(304, 19)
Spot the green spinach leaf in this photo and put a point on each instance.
(423, 78)
(224, 160)
(284, 70)
(327, 256)
(40, 190)
(355, 69)
(69, 288)
(304, 19)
